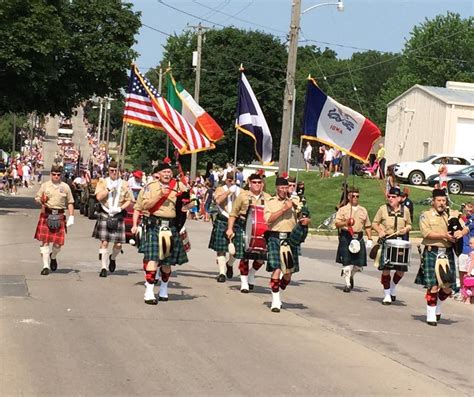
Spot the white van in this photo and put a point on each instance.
(65, 133)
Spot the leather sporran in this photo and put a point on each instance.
(54, 221)
(113, 222)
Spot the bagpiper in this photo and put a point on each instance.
(286, 231)
(160, 242)
(437, 272)
(224, 197)
(55, 197)
(392, 222)
(113, 196)
(352, 220)
(254, 198)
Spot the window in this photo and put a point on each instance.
(457, 161)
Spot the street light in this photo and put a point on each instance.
(289, 97)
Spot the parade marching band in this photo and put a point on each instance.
(253, 226)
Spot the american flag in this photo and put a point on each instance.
(145, 106)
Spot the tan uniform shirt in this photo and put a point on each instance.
(168, 208)
(360, 215)
(387, 221)
(59, 195)
(139, 202)
(241, 204)
(125, 193)
(286, 222)
(432, 221)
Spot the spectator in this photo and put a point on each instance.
(390, 180)
(208, 199)
(407, 202)
(307, 155)
(443, 175)
(328, 157)
(26, 175)
(468, 218)
(239, 177)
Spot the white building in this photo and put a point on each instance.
(426, 120)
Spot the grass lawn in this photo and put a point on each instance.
(322, 195)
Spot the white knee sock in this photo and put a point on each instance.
(346, 271)
(393, 288)
(149, 291)
(231, 260)
(45, 255)
(115, 252)
(55, 251)
(276, 301)
(244, 282)
(221, 264)
(163, 289)
(105, 257)
(252, 272)
(438, 307)
(431, 313)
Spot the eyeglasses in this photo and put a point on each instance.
(257, 182)
(392, 196)
(292, 185)
(55, 173)
(112, 169)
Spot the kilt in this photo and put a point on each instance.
(239, 231)
(383, 266)
(274, 261)
(426, 275)
(219, 241)
(149, 246)
(46, 236)
(345, 257)
(103, 234)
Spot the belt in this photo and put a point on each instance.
(359, 235)
(53, 211)
(433, 248)
(278, 235)
(158, 221)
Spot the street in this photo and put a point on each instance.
(73, 333)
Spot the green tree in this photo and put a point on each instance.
(438, 50)
(55, 54)
(223, 52)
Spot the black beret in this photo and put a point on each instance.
(395, 191)
(439, 193)
(161, 167)
(280, 181)
(255, 176)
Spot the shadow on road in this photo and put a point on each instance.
(378, 299)
(18, 202)
(355, 289)
(443, 321)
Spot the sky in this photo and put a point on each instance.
(382, 25)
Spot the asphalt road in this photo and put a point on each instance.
(73, 333)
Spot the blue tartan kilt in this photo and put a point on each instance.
(149, 246)
(219, 241)
(426, 275)
(273, 259)
(345, 257)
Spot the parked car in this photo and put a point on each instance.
(458, 182)
(417, 172)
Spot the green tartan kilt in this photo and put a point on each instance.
(426, 275)
(149, 246)
(219, 241)
(239, 235)
(273, 259)
(345, 257)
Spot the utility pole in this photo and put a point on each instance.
(14, 132)
(100, 119)
(289, 98)
(200, 29)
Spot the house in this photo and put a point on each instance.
(425, 120)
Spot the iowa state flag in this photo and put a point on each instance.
(329, 122)
(184, 103)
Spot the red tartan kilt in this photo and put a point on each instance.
(45, 235)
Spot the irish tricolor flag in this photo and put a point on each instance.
(331, 123)
(184, 103)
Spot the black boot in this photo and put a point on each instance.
(112, 264)
(53, 263)
(45, 271)
(103, 273)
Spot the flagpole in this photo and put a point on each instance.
(160, 83)
(291, 129)
(236, 144)
(120, 153)
(125, 133)
(298, 168)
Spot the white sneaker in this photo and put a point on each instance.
(163, 295)
(387, 300)
(244, 284)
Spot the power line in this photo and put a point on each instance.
(189, 14)
(156, 30)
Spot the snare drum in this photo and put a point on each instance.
(397, 253)
(256, 226)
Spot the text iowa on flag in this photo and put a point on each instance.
(327, 121)
(251, 121)
(145, 106)
(184, 103)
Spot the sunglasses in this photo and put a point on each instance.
(112, 169)
(55, 173)
(354, 195)
(392, 196)
(257, 182)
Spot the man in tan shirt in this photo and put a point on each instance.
(352, 220)
(224, 197)
(392, 221)
(114, 196)
(438, 242)
(236, 230)
(55, 197)
(157, 204)
(286, 233)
